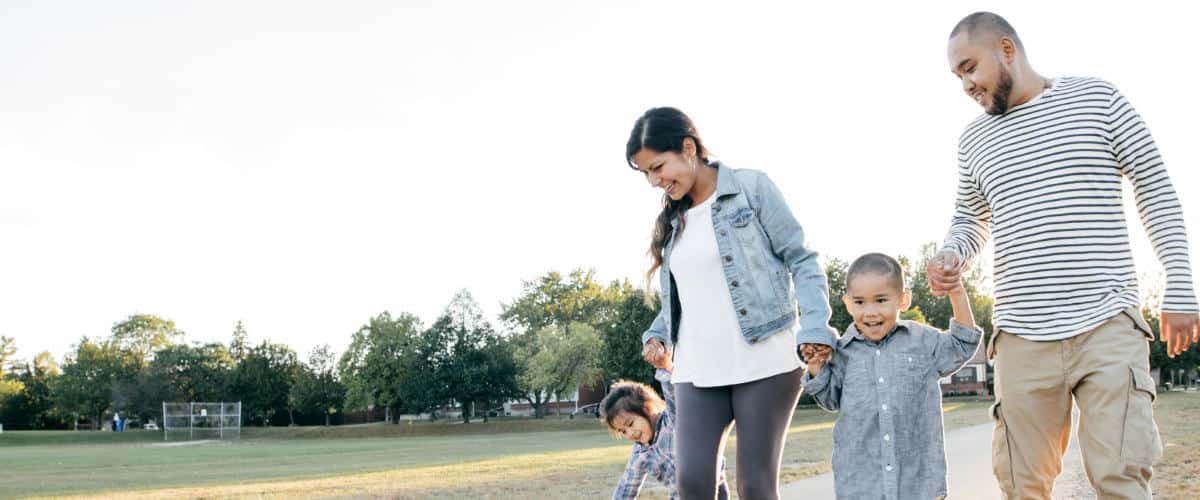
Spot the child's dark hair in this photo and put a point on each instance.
(876, 263)
(631, 397)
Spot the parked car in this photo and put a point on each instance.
(151, 426)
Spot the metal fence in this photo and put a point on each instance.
(194, 421)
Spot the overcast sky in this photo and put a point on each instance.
(303, 166)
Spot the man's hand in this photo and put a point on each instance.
(943, 272)
(655, 353)
(816, 355)
(1179, 331)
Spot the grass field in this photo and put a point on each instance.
(502, 459)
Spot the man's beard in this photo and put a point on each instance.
(1002, 93)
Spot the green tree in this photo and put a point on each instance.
(914, 314)
(562, 360)
(262, 382)
(9, 386)
(621, 346)
(479, 368)
(143, 334)
(555, 300)
(33, 406)
(835, 271)
(8, 348)
(317, 388)
(499, 373)
(377, 366)
(88, 375)
(239, 347)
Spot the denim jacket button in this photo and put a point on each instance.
(728, 258)
(723, 232)
(742, 312)
(734, 284)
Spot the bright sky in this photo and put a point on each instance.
(303, 167)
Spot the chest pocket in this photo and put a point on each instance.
(749, 233)
(742, 217)
(910, 371)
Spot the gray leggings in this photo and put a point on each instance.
(761, 410)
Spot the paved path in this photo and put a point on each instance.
(968, 452)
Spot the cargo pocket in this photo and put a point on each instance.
(1002, 453)
(1140, 444)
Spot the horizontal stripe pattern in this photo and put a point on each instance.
(1044, 180)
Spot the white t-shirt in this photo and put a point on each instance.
(711, 350)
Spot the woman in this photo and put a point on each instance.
(728, 305)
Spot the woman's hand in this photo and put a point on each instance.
(816, 355)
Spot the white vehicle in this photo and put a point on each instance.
(151, 426)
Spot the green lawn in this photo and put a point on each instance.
(507, 458)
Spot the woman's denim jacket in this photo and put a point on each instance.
(762, 253)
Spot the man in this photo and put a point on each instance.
(1041, 172)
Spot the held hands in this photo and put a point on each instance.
(655, 353)
(1179, 331)
(816, 355)
(944, 275)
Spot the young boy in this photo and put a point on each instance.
(634, 411)
(883, 378)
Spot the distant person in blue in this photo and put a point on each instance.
(734, 272)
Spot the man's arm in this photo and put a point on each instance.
(1162, 216)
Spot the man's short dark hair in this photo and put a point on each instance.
(987, 22)
(876, 263)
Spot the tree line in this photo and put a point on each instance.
(560, 332)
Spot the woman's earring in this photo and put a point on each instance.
(692, 162)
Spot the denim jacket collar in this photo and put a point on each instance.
(726, 186)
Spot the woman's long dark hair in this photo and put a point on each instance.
(664, 130)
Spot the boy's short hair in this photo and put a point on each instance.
(876, 263)
(631, 397)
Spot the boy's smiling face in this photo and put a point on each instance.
(875, 301)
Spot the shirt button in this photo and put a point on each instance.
(887, 437)
(876, 352)
(881, 380)
(884, 407)
(728, 258)
(888, 468)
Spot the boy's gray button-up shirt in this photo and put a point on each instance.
(887, 442)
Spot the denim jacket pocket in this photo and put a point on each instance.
(742, 217)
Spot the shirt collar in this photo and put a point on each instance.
(852, 333)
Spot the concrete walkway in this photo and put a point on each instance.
(968, 453)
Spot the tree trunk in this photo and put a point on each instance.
(326, 418)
